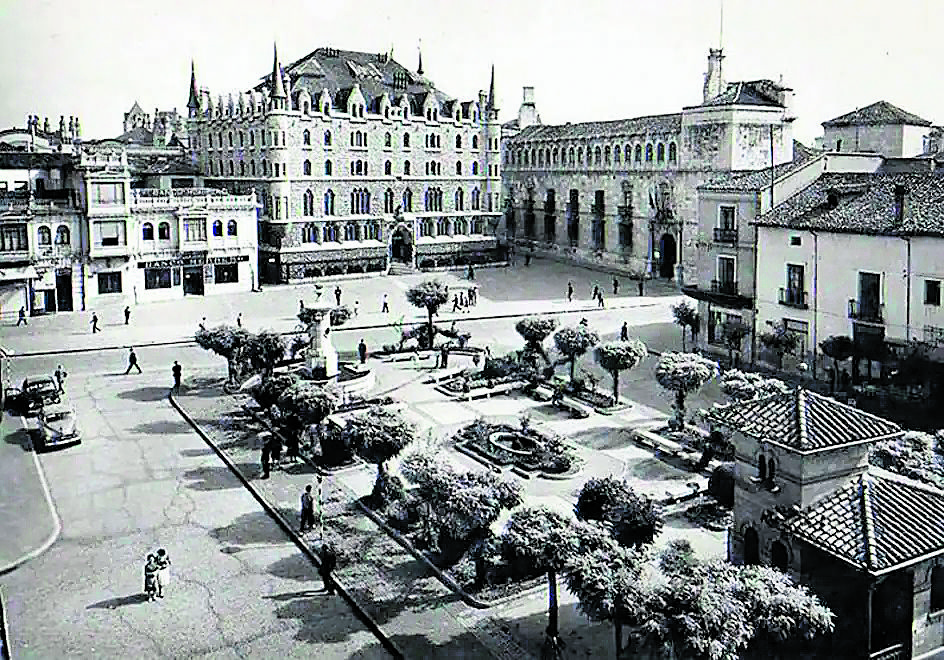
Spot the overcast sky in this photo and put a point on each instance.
(588, 60)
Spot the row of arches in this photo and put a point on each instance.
(358, 167)
(451, 227)
(332, 232)
(235, 139)
(63, 235)
(605, 156)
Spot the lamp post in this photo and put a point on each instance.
(320, 511)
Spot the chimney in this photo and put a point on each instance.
(528, 113)
(714, 80)
(900, 191)
(528, 96)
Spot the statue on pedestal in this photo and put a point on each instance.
(322, 356)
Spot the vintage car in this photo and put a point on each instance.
(56, 427)
(36, 392)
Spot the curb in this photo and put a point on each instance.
(6, 652)
(57, 523)
(348, 328)
(289, 529)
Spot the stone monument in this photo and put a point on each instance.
(321, 353)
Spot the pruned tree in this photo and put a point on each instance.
(306, 403)
(572, 342)
(733, 333)
(781, 341)
(837, 348)
(429, 295)
(268, 392)
(617, 356)
(534, 330)
(745, 385)
(638, 521)
(229, 343)
(721, 484)
(599, 498)
(265, 350)
(682, 374)
(686, 317)
(378, 435)
(913, 455)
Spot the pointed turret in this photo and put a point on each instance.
(193, 103)
(491, 91)
(419, 68)
(276, 87)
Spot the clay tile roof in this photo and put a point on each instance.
(880, 112)
(604, 129)
(803, 421)
(877, 522)
(754, 92)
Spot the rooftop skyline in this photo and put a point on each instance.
(605, 60)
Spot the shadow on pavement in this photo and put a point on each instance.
(121, 601)
(603, 438)
(145, 394)
(218, 477)
(160, 428)
(20, 437)
(255, 528)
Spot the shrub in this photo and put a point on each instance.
(721, 484)
(267, 392)
(600, 497)
(335, 447)
(499, 367)
(639, 521)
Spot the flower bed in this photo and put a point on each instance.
(590, 397)
(478, 380)
(706, 512)
(545, 453)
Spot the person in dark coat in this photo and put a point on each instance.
(615, 286)
(641, 286)
(127, 314)
(176, 370)
(291, 447)
(329, 561)
(275, 449)
(362, 351)
(624, 331)
(60, 378)
(22, 319)
(307, 511)
(444, 356)
(150, 577)
(596, 292)
(132, 362)
(570, 291)
(265, 459)
(95, 327)
(337, 295)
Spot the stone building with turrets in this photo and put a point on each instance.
(622, 194)
(361, 165)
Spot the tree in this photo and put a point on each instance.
(340, 315)
(264, 351)
(599, 498)
(746, 385)
(267, 392)
(227, 342)
(306, 403)
(638, 521)
(733, 333)
(534, 330)
(838, 348)
(682, 374)
(429, 295)
(617, 356)
(686, 317)
(911, 455)
(573, 342)
(781, 341)
(377, 435)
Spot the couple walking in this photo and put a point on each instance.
(156, 574)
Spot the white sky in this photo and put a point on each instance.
(588, 60)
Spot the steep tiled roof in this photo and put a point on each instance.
(609, 129)
(802, 420)
(338, 70)
(745, 180)
(880, 112)
(865, 204)
(137, 135)
(752, 92)
(876, 522)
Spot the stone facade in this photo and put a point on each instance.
(623, 194)
(359, 163)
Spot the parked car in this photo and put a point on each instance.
(57, 427)
(36, 392)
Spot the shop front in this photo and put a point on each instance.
(193, 274)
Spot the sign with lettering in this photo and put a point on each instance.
(193, 260)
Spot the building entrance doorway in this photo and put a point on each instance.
(401, 246)
(193, 281)
(64, 290)
(751, 547)
(668, 256)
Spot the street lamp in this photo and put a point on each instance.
(320, 511)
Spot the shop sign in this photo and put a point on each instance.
(193, 260)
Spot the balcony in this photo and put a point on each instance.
(726, 287)
(868, 312)
(625, 211)
(13, 255)
(53, 251)
(597, 210)
(726, 235)
(573, 210)
(793, 298)
(98, 250)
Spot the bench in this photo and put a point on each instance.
(578, 410)
(657, 442)
(486, 393)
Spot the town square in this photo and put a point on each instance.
(321, 361)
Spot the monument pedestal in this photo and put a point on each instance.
(321, 352)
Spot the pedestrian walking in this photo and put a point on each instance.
(127, 314)
(615, 286)
(455, 302)
(203, 323)
(600, 300)
(176, 370)
(384, 305)
(150, 577)
(94, 323)
(474, 291)
(527, 259)
(22, 317)
(275, 450)
(337, 295)
(362, 351)
(266, 456)
(163, 571)
(596, 292)
(132, 362)
(471, 273)
(239, 320)
(291, 447)
(444, 356)
(357, 307)
(570, 291)
(301, 306)
(329, 561)
(307, 511)
(640, 285)
(60, 375)
(624, 332)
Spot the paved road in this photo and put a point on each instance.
(142, 480)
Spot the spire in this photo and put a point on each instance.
(194, 101)
(419, 69)
(491, 91)
(277, 88)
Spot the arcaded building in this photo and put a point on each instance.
(622, 194)
(360, 165)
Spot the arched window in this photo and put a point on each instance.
(673, 152)
(637, 156)
(327, 137)
(231, 228)
(230, 139)
(554, 156)
(242, 168)
(408, 200)
(442, 227)
(63, 235)
(458, 142)
(163, 231)
(751, 547)
(45, 235)
(329, 233)
(460, 200)
(475, 168)
(265, 167)
(406, 140)
(310, 233)
(406, 168)
(388, 168)
(475, 141)
(306, 168)
(217, 228)
(329, 202)
(308, 203)
(371, 231)
(252, 168)
(597, 156)
(327, 168)
(388, 140)
(540, 156)
(252, 138)
(616, 155)
(277, 168)
(231, 168)
(460, 227)
(606, 155)
(458, 167)
(222, 168)
(580, 155)
(147, 231)
(306, 137)
(648, 153)
(388, 201)
(660, 153)
(571, 158)
(350, 232)
(476, 199)
(627, 154)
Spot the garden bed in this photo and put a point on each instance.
(525, 447)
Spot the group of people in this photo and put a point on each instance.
(598, 292)
(156, 574)
(271, 453)
(464, 300)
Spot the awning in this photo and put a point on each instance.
(18, 273)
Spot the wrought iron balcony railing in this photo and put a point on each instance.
(869, 312)
(793, 298)
(729, 287)
(726, 235)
